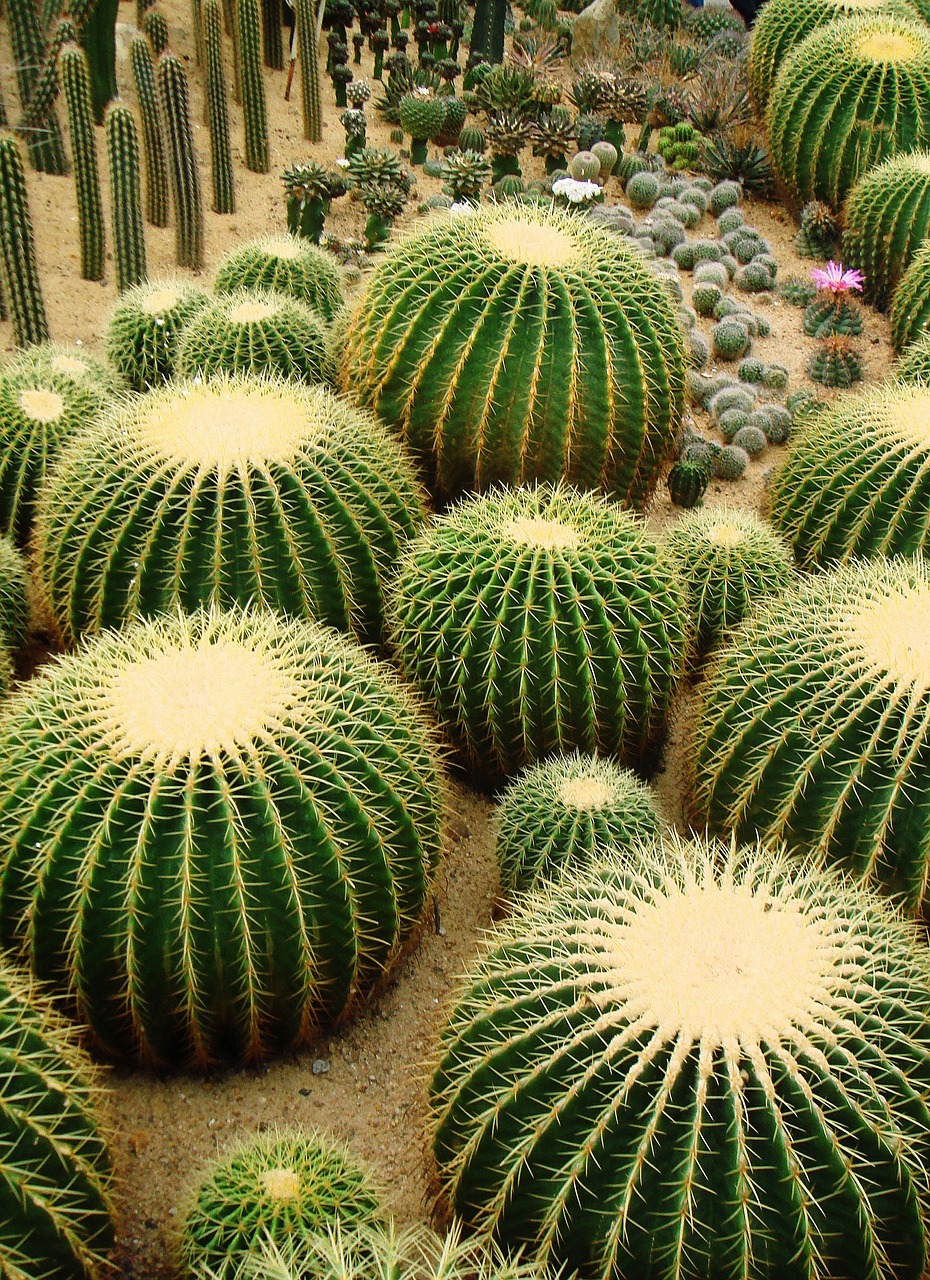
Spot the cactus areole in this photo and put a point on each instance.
(516, 345)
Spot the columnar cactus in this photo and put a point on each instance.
(886, 219)
(538, 621)
(544, 348)
(704, 1061)
(855, 480)
(227, 490)
(308, 57)
(174, 96)
(910, 306)
(153, 142)
(288, 264)
(224, 184)
(813, 727)
(43, 140)
(144, 329)
(125, 195)
(57, 1216)
(75, 85)
(22, 287)
(259, 808)
(252, 84)
(865, 81)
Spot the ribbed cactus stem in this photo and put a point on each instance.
(254, 114)
(44, 142)
(153, 142)
(221, 167)
(308, 57)
(98, 39)
(156, 29)
(75, 83)
(22, 289)
(45, 90)
(185, 174)
(488, 30)
(271, 30)
(125, 196)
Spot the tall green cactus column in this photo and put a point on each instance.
(488, 31)
(185, 174)
(45, 143)
(254, 113)
(308, 57)
(224, 186)
(153, 142)
(45, 89)
(21, 285)
(125, 196)
(98, 40)
(75, 83)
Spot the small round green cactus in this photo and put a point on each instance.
(557, 815)
(730, 560)
(731, 463)
(910, 306)
(288, 264)
(228, 490)
(730, 338)
(220, 828)
(643, 189)
(144, 328)
(814, 724)
(255, 331)
(687, 482)
(14, 596)
(725, 195)
(836, 364)
(754, 277)
(663, 1067)
(751, 438)
(272, 1193)
(885, 221)
(56, 1213)
(544, 348)
(537, 621)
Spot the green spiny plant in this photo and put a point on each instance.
(830, 315)
(260, 810)
(730, 338)
(22, 287)
(45, 88)
(310, 190)
(885, 220)
(752, 438)
(687, 482)
(837, 363)
(221, 167)
(870, 79)
(704, 24)
(75, 85)
(153, 143)
(738, 155)
(640, 1049)
(14, 598)
(422, 116)
(507, 132)
(144, 328)
(464, 174)
(56, 1212)
(48, 359)
(553, 136)
(97, 24)
(307, 502)
(643, 189)
(383, 203)
(310, 95)
(274, 1190)
(252, 84)
(724, 195)
(539, 620)
(125, 195)
(797, 291)
(487, 385)
(731, 463)
(914, 362)
(487, 37)
(355, 124)
(155, 27)
(174, 95)
(910, 304)
(44, 140)
(819, 232)
(287, 264)
(472, 138)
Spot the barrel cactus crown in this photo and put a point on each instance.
(221, 826)
(539, 621)
(55, 1215)
(855, 480)
(518, 345)
(49, 359)
(814, 724)
(272, 1193)
(228, 490)
(288, 264)
(144, 327)
(558, 814)
(701, 1062)
(851, 94)
(886, 219)
(910, 306)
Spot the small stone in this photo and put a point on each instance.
(320, 1066)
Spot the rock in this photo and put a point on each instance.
(596, 32)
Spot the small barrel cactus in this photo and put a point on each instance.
(687, 482)
(829, 315)
(558, 814)
(731, 463)
(538, 621)
(643, 189)
(271, 1193)
(145, 326)
(730, 338)
(662, 1067)
(544, 349)
(910, 306)
(885, 221)
(751, 438)
(836, 364)
(288, 264)
(258, 809)
(56, 359)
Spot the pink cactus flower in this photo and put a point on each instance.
(835, 278)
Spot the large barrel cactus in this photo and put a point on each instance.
(540, 621)
(513, 345)
(910, 306)
(815, 725)
(851, 94)
(55, 1218)
(219, 827)
(702, 1062)
(228, 490)
(886, 219)
(856, 481)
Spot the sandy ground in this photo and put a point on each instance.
(366, 1083)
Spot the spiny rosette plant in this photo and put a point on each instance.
(221, 827)
(855, 480)
(288, 264)
(271, 1194)
(557, 815)
(539, 621)
(851, 94)
(227, 490)
(910, 306)
(55, 1212)
(813, 725)
(144, 327)
(517, 345)
(730, 560)
(885, 220)
(698, 1061)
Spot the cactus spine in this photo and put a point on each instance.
(153, 144)
(43, 140)
(254, 115)
(308, 57)
(185, 174)
(22, 287)
(75, 84)
(125, 196)
(224, 184)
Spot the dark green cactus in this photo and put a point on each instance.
(868, 81)
(819, 232)
(423, 117)
(910, 305)
(687, 482)
(252, 84)
(75, 85)
(45, 89)
(663, 1067)
(464, 173)
(832, 315)
(44, 140)
(55, 1210)
(487, 36)
(308, 57)
(22, 287)
(221, 168)
(155, 26)
(97, 22)
(538, 621)
(914, 363)
(14, 597)
(886, 220)
(287, 264)
(307, 503)
(153, 142)
(125, 195)
(174, 96)
(272, 19)
(259, 809)
(836, 364)
(488, 384)
(145, 326)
